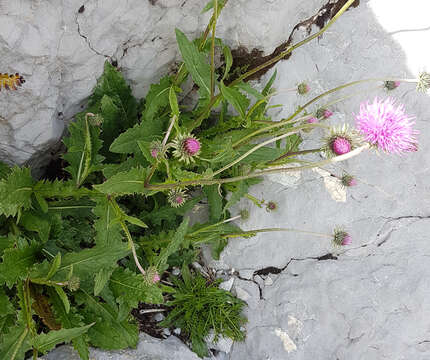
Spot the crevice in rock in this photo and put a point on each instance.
(260, 290)
(244, 60)
(85, 37)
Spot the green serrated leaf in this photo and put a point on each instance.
(269, 84)
(4, 170)
(107, 231)
(228, 58)
(62, 295)
(173, 100)
(69, 320)
(126, 183)
(101, 279)
(215, 202)
(15, 344)
(83, 145)
(239, 101)
(16, 191)
(195, 62)
(156, 101)
(45, 342)
(108, 333)
(54, 266)
(130, 288)
(16, 263)
(173, 246)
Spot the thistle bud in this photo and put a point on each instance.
(74, 283)
(341, 237)
(348, 180)
(303, 88)
(271, 206)
(391, 85)
(341, 146)
(156, 149)
(177, 198)
(186, 147)
(423, 82)
(323, 113)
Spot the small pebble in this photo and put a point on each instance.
(176, 272)
(159, 317)
(177, 331)
(166, 332)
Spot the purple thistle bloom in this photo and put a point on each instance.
(386, 126)
(191, 146)
(327, 114)
(156, 278)
(312, 120)
(341, 146)
(347, 240)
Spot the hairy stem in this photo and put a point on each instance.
(264, 143)
(257, 174)
(250, 232)
(215, 16)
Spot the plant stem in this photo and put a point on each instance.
(260, 173)
(267, 128)
(215, 17)
(264, 143)
(277, 229)
(301, 152)
(214, 225)
(295, 46)
(163, 147)
(128, 235)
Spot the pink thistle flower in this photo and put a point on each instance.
(327, 113)
(156, 278)
(391, 85)
(303, 88)
(312, 120)
(191, 146)
(324, 113)
(176, 197)
(341, 237)
(347, 240)
(154, 153)
(348, 180)
(187, 147)
(386, 126)
(341, 146)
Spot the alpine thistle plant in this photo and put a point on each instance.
(386, 126)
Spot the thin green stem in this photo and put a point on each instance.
(294, 153)
(258, 174)
(264, 143)
(267, 128)
(250, 232)
(214, 225)
(293, 47)
(215, 17)
(128, 236)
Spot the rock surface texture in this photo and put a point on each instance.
(307, 300)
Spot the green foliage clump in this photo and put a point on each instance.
(201, 309)
(77, 254)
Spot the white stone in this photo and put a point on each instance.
(226, 285)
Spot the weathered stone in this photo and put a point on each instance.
(149, 348)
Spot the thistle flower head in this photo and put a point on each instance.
(341, 237)
(391, 85)
(386, 126)
(156, 149)
(186, 147)
(152, 276)
(156, 278)
(74, 283)
(244, 214)
(423, 82)
(348, 180)
(303, 88)
(271, 206)
(177, 197)
(312, 120)
(341, 140)
(323, 113)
